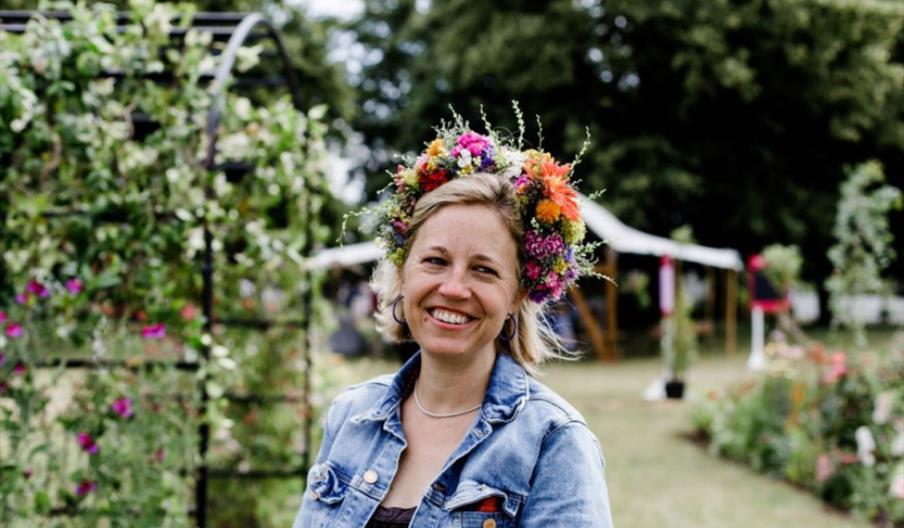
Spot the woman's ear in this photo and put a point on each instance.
(516, 304)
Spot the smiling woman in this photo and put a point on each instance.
(479, 236)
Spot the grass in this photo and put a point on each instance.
(656, 475)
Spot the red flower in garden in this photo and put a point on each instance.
(88, 443)
(123, 407)
(85, 487)
(74, 286)
(432, 180)
(37, 288)
(14, 330)
(154, 331)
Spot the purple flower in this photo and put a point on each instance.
(88, 443)
(540, 247)
(85, 487)
(74, 286)
(19, 369)
(3, 387)
(123, 407)
(37, 288)
(3, 317)
(21, 298)
(154, 331)
(27, 473)
(2, 359)
(14, 330)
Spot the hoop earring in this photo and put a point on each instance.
(395, 303)
(508, 337)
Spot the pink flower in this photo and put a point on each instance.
(3, 317)
(824, 468)
(837, 368)
(159, 455)
(88, 443)
(37, 288)
(27, 473)
(85, 487)
(896, 488)
(21, 298)
(154, 331)
(123, 407)
(2, 359)
(19, 369)
(14, 330)
(532, 269)
(74, 286)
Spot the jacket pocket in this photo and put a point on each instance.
(326, 483)
(471, 496)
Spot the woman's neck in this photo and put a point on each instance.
(449, 385)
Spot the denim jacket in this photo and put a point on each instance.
(528, 447)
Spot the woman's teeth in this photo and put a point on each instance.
(449, 317)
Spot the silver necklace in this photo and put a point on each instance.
(417, 401)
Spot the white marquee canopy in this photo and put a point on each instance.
(618, 236)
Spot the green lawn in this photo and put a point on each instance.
(657, 476)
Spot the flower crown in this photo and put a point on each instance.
(546, 200)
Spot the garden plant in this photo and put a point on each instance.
(109, 213)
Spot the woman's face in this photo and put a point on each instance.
(460, 281)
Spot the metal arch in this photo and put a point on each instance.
(224, 71)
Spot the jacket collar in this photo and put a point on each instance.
(507, 391)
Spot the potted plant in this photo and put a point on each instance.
(678, 347)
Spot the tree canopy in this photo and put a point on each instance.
(738, 118)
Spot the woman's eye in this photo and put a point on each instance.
(434, 260)
(486, 270)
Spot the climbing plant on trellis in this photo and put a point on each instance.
(154, 305)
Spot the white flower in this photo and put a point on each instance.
(246, 288)
(884, 403)
(896, 487)
(866, 444)
(247, 57)
(897, 443)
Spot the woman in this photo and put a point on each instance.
(479, 235)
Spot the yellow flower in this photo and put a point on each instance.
(436, 148)
(548, 211)
(467, 169)
(573, 232)
(560, 266)
(409, 176)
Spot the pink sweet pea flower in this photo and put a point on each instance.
(154, 331)
(85, 487)
(74, 286)
(14, 330)
(123, 407)
(37, 288)
(88, 443)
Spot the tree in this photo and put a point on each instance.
(735, 117)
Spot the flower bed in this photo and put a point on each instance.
(824, 421)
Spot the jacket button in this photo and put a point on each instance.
(370, 476)
(489, 523)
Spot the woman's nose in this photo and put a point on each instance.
(455, 286)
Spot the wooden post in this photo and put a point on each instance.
(731, 311)
(597, 341)
(611, 307)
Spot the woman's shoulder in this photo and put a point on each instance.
(545, 402)
(361, 396)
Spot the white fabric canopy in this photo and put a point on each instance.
(625, 239)
(618, 236)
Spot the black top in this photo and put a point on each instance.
(391, 517)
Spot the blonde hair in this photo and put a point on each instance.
(534, 342)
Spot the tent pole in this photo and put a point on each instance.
(731, 311)
(612, 307)
(586, 314)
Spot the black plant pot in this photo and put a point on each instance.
(674, 389)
